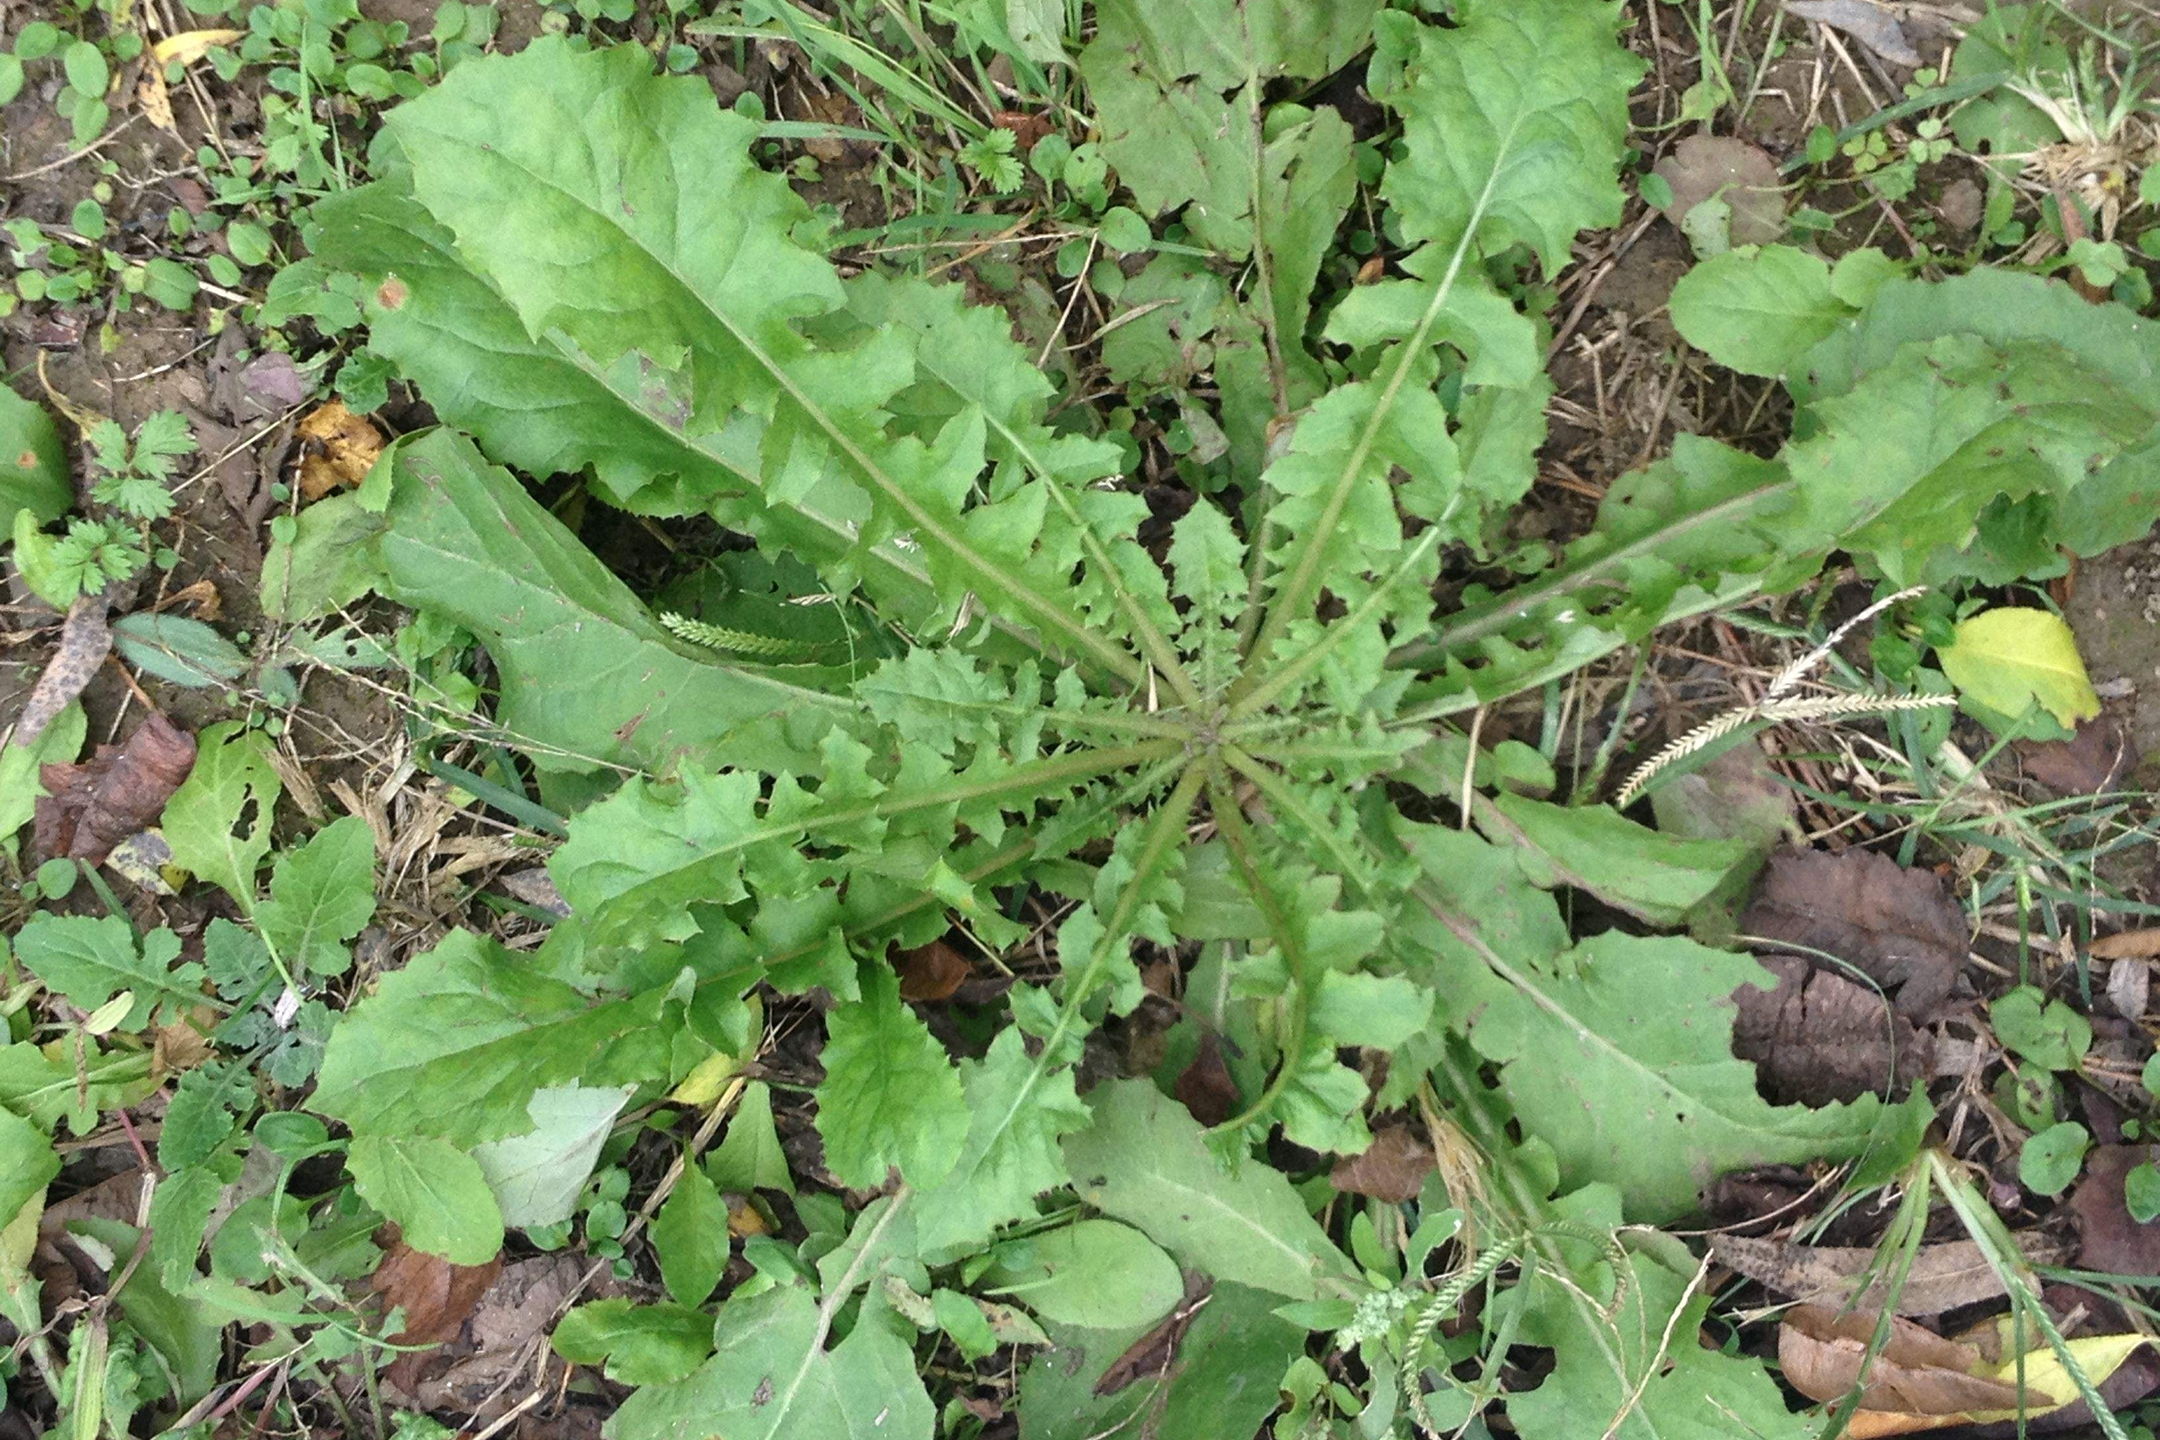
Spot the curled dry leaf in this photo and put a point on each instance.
(1943, 1277)
(506, 1320)
(1392, 1168)
(1155, 1352)
(85, 641)
(2129, 988)
(1823, 1354)
(90, 808)
(2089, 763)
(1894, 925)
(435, 1295)
(1206, 1087)
(1027, 128)
(155, 101)
(932, 972)
(337, 448)
(2128, 945)
(191, 45)
(2111, 1241)
(1817, 1037)
(1921, 1381)
(1711, 167)
(1866, 21)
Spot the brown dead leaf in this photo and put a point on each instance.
(85, 641)
(833, 109)
(2089, 763)
(200, 600)
(932, 972)
(1392, 1168)
(1206, 1087)
(337, 448)
(1712, 167)
(89, 808)
(1737, 795)
(1154, 1352)
(1819, 1037)
(1894, 925)
(1822, 1353)
(1026, 128)
(507, 1324)
(182, 1046)
(435, 1295)
(1867, 21)
(2129, 988)
(2110, 1241)
(1943, 1277)
(2128, 945)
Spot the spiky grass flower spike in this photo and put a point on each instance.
(1777, 706)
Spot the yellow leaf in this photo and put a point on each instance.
(19, 1238)
(703, 1085)
(2009, 657)
(192, 45)
(156, 100)
(2099, 1356)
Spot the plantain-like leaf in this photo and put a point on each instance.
(455, 1044)
(588, 677)
(619, 216)
(1615, 1050)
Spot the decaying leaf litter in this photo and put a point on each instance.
(1001, 822)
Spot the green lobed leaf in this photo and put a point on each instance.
(1614, 1050)
(1613, 1374)
(890, 1098)
(1230, 1364)
(696, 290)
(90, 961)
(536, 1177)
(640, 1344)
(1018, 1108)
(1144, 1161)
(1514, 123)
(690, 1237)
(771, 1377)
(218, 821)
(2114, 505)
(321, 893)
(61, 1082)
(588, 677)
(1655, 877)
(433, 1191)
(60, 742)
(27, 1163)
(748, 1156)
(455, 1044)
(1096, 1274)
(1758, 311)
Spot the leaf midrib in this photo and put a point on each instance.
(1113, 657)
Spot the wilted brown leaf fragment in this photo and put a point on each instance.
(89, 808)
(1894, 925)
(1823, 1353)
(339, 448)
(85, 641)
(435, 1295)
(1393, 1167)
